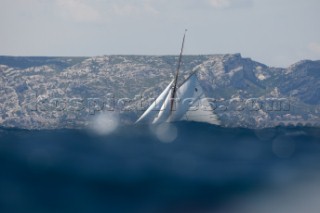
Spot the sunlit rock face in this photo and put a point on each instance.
(51, 92)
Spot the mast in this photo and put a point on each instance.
(174, 88)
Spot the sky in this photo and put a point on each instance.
(274, 32)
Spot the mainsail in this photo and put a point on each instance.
(184, 102)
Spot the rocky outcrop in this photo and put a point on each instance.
(51, 92)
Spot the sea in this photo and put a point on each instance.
(170, 168)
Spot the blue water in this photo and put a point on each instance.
(203, 170)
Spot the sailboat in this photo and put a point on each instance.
(183, 102)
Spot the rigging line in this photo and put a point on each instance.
(174, 89)
(192, 73)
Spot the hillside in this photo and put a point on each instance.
(62, 92)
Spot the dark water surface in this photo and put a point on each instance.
(205, 169)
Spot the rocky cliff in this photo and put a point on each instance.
(62, 92)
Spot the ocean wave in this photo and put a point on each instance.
(200, 168)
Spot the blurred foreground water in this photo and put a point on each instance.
(180, 168)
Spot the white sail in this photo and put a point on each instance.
(165, 111)
(153, 110)
(190, 103)
(200, 109)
